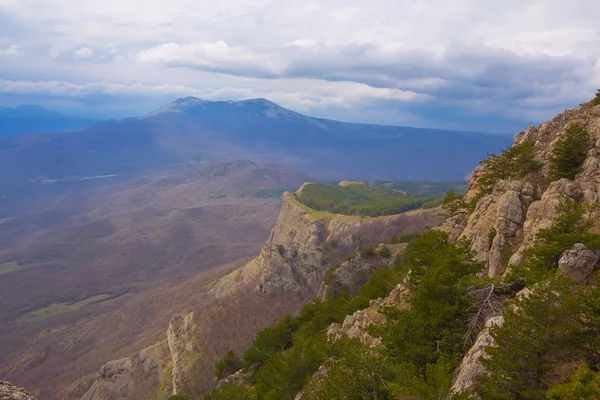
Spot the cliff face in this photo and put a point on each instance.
(10, 392)
(504, 223)
(285, 275)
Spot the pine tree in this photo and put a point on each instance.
(543, 331)
(569, 153)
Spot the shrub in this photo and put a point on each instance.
(229, 364)
(178, 397)
(569, 153)
(584, 385)
(596, 100)
(514, 162)
(544, 331)
(368, 251)
(569, 227)
(385, 252)
(453, 203)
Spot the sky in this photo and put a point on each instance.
(492, 66)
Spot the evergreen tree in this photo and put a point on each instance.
(541, 332)
(569, 227)
(569, 153)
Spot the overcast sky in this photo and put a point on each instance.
(492, 65)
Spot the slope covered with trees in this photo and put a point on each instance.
(371, 201)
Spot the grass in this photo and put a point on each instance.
(62, 308)
(9, 267)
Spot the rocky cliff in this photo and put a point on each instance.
(505, 221)
(286, 274)
(10, 392)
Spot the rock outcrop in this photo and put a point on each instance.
(354, 272)
(505, 222)
(10, 392)
(471, 367)
(356, 325)
(140, 376)
(288, 271)
(579, 263)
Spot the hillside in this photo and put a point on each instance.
(24, 120)
(499, 302)
(191, 130)
(87, 274)
(285, 275)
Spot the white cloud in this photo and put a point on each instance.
(496, 55)
(84, 52)
(12, 51)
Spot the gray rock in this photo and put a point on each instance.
(579, 264)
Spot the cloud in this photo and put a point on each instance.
(12, 51)
(84, 52)
(439, 60)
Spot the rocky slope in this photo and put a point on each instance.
(501, 226)
(286, 274)
(10, 392)
(516, 210)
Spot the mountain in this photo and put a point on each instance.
(500, 301)
(28, 119)
(89, 273)
(190, 130)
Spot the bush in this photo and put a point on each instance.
(569, 153)
(385, 252)
(229, 364)
(584, 385)
(569, 227)
(544, 331)
(596, 100)
(367, 251)
(453, 203)
(514, 162)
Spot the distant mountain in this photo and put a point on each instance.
(35, 119)
(191, 130)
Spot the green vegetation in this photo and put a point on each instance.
(569, 153)
(514, 162)
(264, 193)
(596, 100)
(62, 308)
(570, 227)
(178, 397)
(423, 344)
(359, 200)
(421, 188)
(545, 331)
(453, 204)
(7, 268)
(229, 364)
(552, 330)
(584, 385)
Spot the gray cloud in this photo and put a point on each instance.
(431, 62)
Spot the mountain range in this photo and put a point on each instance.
(29, 119)
(192, 130)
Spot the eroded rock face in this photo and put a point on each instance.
(497, 221)
(355, 325)
(10, 392)
(579, 263)
(353, 273)
(505, 222)
(180, 337)
(471, 367)
(120, 379)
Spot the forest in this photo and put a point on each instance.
(361, 200)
